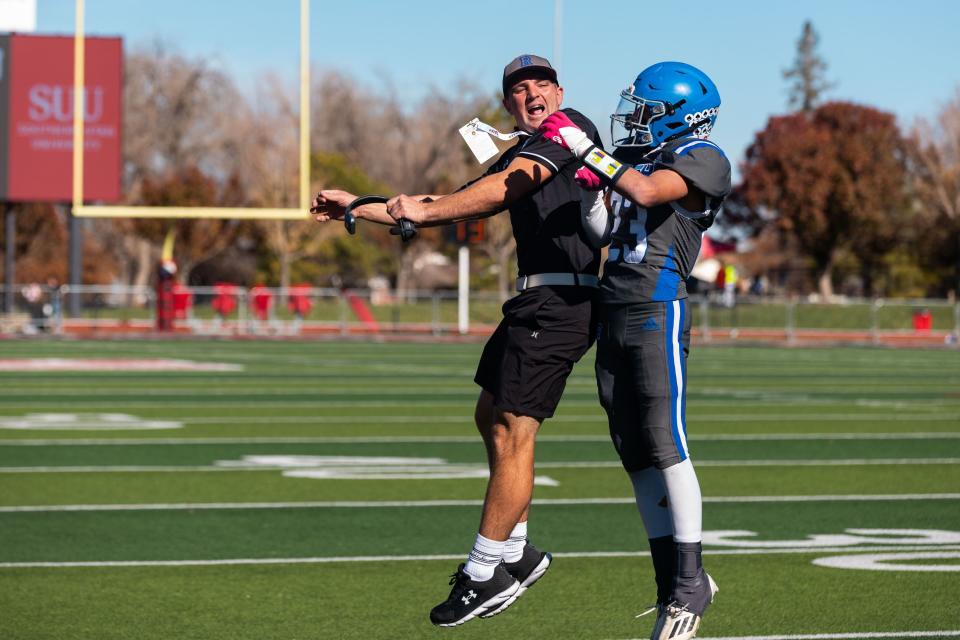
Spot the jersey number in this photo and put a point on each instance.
(632, 253)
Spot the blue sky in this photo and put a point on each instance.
(898, 56)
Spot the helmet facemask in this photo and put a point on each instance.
(630, 124)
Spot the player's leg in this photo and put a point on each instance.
(693, 589)
(651, 497)
(621, 382)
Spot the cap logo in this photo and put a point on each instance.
(525, 61)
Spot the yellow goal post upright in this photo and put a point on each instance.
(236, 213)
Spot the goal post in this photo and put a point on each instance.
(81, 210)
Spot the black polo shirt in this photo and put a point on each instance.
(546, 222)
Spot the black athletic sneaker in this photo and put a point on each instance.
(469, 598)
(527, 570)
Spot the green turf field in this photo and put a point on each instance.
(320, 490)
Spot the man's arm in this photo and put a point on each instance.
(486, 196)
(330, 204)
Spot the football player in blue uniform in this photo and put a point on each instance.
(668, 183)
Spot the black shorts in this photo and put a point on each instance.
(642, 378)
(544, 332)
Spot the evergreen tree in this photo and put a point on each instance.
(807, 75)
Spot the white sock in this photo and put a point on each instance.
(513, 550)
(684, 501)
(484, 558)
(651, 498)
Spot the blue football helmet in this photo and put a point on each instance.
(667, 100)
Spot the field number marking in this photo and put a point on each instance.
(369, 468)
(893, 561)
(84, 422)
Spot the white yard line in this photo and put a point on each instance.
(542, 465)
(713, 417)
(921, 407)
(471, 439)
(870, 635)
(420, 558)
(829, 463)
(379, 504)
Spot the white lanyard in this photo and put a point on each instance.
(483, 126)
(481, 145)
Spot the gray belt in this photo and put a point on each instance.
(557, 279)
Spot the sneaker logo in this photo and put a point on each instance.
(470, 596)
(682, 625)
(535, 334)
(650, 325)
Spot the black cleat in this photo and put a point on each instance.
(527, 570)
(680, 618)
(469, 599)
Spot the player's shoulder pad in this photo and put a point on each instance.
(585, 124)
(701, 162)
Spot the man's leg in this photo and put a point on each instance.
(485, 417)
(510, 441)
(521, 389)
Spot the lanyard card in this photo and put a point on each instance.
(479, 141)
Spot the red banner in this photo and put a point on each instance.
(39, 125)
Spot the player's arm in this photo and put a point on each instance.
(663, 185)
(486, 196)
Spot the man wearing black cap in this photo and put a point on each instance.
(544, 332)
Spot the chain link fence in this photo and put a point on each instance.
(227, 309)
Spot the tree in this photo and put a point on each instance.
(936, 184)
(39, 248)
(405, 150)
(412, 150)
(180, 129)
(833, 181)
(196, 240)
(178, 112)
(807, 75)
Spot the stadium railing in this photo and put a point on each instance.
(229, 310)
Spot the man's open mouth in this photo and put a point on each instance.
(536, 110)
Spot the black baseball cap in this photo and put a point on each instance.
(525, 64)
